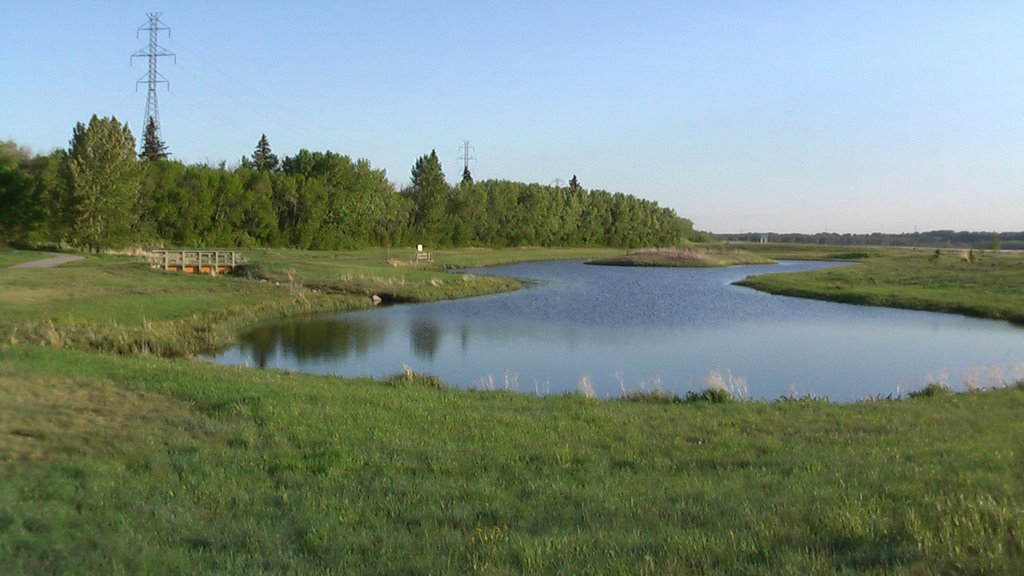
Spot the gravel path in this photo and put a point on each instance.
(53, 260)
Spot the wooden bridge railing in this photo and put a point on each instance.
(196, 261)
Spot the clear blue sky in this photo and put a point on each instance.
(838, 116)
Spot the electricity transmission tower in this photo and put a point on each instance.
(465, 155)
(466, 176)
(153, 52)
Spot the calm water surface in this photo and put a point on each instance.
(644, 328)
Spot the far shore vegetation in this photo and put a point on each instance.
(688, 257)
(122, 454)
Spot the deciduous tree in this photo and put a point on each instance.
(103, 180)
(20, 209)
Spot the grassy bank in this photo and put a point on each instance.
(691, 257)
(983, 284)
(144, 465)
(119, 304)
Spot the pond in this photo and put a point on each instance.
(632, 329)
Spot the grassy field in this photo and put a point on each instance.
(984, 284)
(144, 465)
(136, 464)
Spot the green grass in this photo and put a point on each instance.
(11, 257)
(143, 465)
(990, 286)
(136, 464)
(119, 304)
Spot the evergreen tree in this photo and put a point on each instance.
(431, 194)
(103, 180)
(574, 184)
(467, 178)
(262, 157)
(153, 148)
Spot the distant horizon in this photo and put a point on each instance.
(856, 117)
(953, 231)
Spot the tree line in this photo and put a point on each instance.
(929, 239)
(98, 193)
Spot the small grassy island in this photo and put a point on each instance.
(691, 257)
(119, 454)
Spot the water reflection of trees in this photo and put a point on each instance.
(339, 339)
(309, 340)
(425, 337)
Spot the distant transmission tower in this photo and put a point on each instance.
(152, 77)
(465, 155)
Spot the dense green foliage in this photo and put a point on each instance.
(430, 194)
(103, 184)
(148, 466)
(19, 204)
(97, 195)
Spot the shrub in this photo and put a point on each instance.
(712, 395)
(250, 271)
(849, 256)
(933, 389)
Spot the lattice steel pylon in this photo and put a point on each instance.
(465, 155)
(152, 77)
